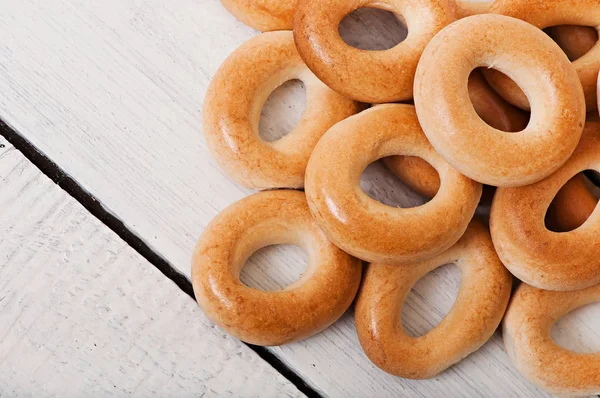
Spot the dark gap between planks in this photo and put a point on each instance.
(91, 204)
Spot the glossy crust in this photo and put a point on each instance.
(366, 228)
(527, 339)
(539, 257)
(235, 99)
(575, 40)
(263, 15)
(480, 304)
(491, 108)
(543, 14)
(319, 298)
(367, 76)
(532, 59)
(572, 205)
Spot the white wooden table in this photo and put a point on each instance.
(95, 227)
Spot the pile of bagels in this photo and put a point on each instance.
(477, 99)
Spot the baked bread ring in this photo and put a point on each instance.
(539, 257)
(366, 228)
(574, 40)
(367, 76)
(526, 331)
(232, 111)
(480, 304)
(263, 15)
(315, 301)
(542, 15)
(572, 205)
(456, 131)
(420, 176)
(493, 109)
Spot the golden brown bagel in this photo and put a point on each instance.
(532, 59)
(420, 176)
(263, 15)
(543, 14)
(493, 109)
(480, 304)
(539, 257)
(575, 40)
(366, 228)
(367, 76)
(232, 111)
(315, 301)
(526, 331)
(572, 205)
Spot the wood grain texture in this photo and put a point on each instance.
(112, 91)
(82, 314)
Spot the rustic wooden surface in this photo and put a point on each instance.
(112, 92)
(82, 314)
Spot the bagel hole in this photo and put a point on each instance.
(579, 330)
(571, 206)
(282, 111)
(430, 300)
(372, 29)
(515, 94)
(519, 119)
(574, 40)
(380, 184)
(274, 267)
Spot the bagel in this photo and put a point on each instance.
(542, 15)
(526, 331)
(456, 131)
(575, 40)
(234, 101)
(315, 301)
(539, 257)
(366, 228)
(421, 177)
(263, 15)
(480, 304)
(367, 76)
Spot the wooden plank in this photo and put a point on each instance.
(112, 92)
(82, 314)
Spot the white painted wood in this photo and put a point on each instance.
(82, 314)
(440, 287)
(112, 90)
